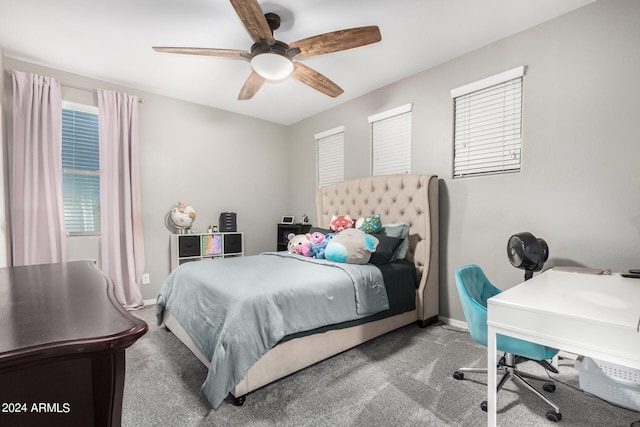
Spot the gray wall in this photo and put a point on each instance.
(215, 160)
(579, 187)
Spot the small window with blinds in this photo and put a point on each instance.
(488, 125)
(330, 156)
(80, 169)
(391, 141)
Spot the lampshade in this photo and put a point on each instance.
(272, 66)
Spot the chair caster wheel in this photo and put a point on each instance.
(554, 416)
(483, 406)
(458, 375)
(549, 387)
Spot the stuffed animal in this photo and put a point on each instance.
(369, 224)
(318, 244)
(352, 246)
(339, 223)
(298, 244)
(316, 237)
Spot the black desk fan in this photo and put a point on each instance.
(527, 252)
(530, 253)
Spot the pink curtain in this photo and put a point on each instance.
(38, 234)
(120, 199)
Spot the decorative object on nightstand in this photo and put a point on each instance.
(284, 229)
(287, 219)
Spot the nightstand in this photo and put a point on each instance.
(285, 229)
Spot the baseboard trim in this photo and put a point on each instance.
(454, 322)
(150, 301)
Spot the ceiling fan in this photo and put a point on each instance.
(273, 59)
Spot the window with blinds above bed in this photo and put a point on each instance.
(391, 141)
(330, 156)
(488, 125)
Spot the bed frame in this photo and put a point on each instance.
(409, 199)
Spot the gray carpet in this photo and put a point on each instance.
(403, 378)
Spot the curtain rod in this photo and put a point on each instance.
(140, 100)
(79, 87)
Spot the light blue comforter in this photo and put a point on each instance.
(236, 309)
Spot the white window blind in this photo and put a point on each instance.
(391, 141)
(330, 156)
(488, 125)
(80, 169)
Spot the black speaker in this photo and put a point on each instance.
(227, 222)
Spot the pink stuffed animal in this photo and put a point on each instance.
(316, 237)
(304, 250)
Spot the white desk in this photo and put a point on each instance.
(591, 315)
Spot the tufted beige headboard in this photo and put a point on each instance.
(409, 199)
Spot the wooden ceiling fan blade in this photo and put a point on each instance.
(221, 53)
(251, 86)
(314, 79)
(253, 19)
(336, 41)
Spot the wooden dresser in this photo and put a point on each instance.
(62, 340)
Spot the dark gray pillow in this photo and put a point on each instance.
(397, 230)
(386, 249)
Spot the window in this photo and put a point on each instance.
(391, 141)
(330, 156)
(487, 128)
(80, 169)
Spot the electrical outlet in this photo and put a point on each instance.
(146, 279)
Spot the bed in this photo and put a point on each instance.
(399, 199)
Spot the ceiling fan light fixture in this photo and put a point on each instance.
(272, 65)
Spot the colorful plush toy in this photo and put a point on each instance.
(369, 224)
(318, 244)
(339, 223)
(352, 246)
(316, 237)
(298, 244)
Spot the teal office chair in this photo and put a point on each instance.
(474, 289)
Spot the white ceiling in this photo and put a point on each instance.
(111, 40)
